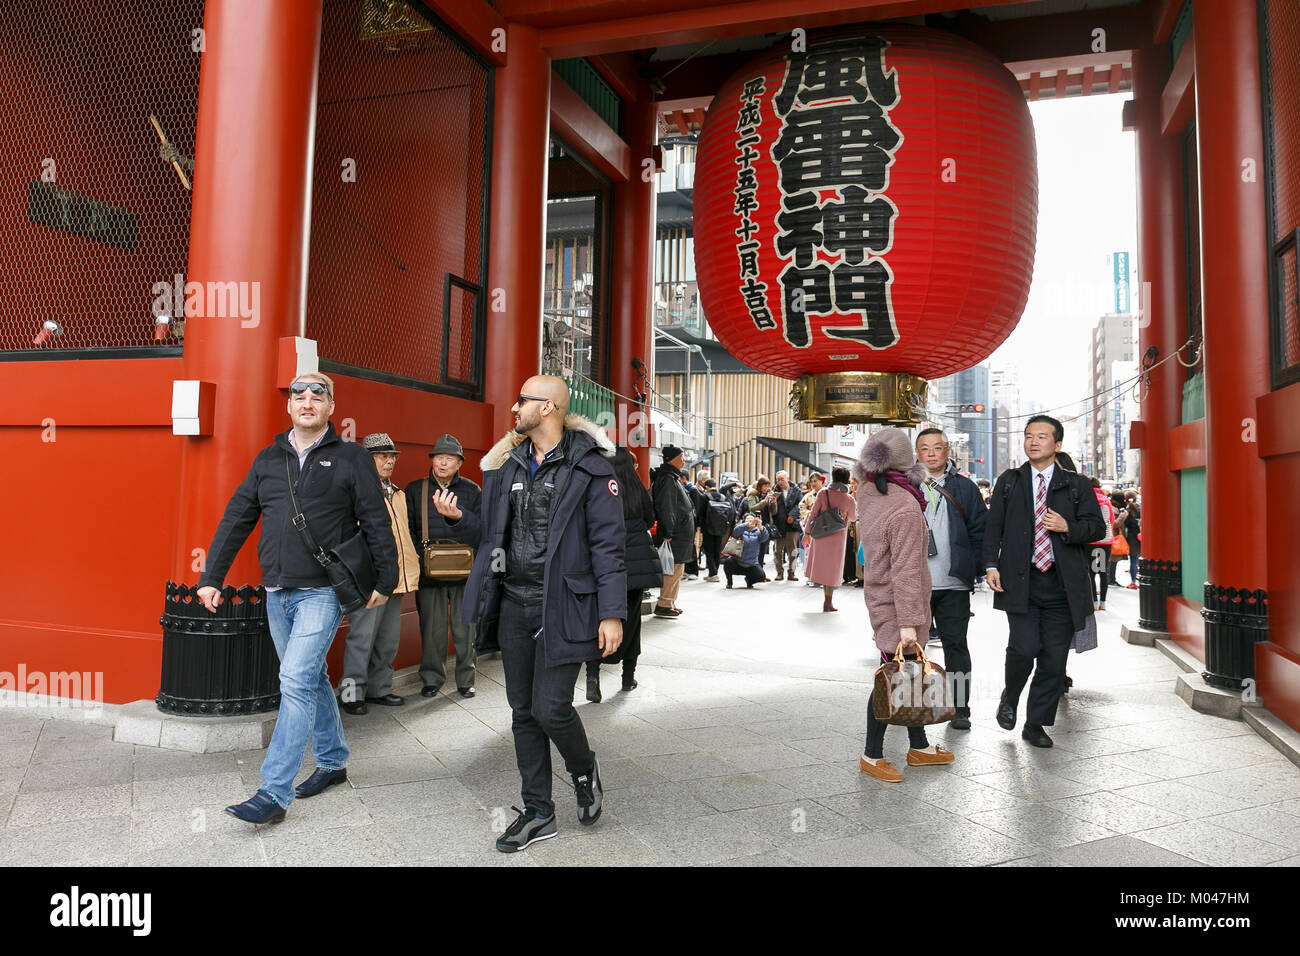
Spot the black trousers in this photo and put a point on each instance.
(951, 610)
(712, 547)
(1098, 573)
(541, 701)
(1042, 636)
(916, 737)
(752, 573)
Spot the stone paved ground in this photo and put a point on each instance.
(740, 747)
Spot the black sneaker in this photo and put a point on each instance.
(590, 794)
(527, 829)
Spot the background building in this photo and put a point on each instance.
(1007, 424)
(1114, 339)
(971, 434)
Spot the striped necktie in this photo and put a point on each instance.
(1042, 542)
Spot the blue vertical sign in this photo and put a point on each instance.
(1120, 260)
(1119, 436)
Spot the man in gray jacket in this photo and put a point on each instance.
(955, 514)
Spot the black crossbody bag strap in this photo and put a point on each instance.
(424, 514)
(939, 488)
(300, 521)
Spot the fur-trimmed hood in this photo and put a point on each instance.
(496, 456)
(888, 450)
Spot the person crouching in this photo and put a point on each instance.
(753, 536)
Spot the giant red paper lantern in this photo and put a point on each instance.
(865, 216)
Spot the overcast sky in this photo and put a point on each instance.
(1087, 209)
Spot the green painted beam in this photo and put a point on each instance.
(1196, 546)
(593, 89)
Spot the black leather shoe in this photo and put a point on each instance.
(465, 691)
(259, 808)
(959, 723)
(427, 691)
(356, 707)
(1006, 713)
(1036, 735)
(388, 700)
(319, 780)
(1069, 682)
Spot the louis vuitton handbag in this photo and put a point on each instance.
(912, 693)
(443, 559)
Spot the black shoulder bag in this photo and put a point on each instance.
(350, 568)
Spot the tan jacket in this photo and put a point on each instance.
(408, 559)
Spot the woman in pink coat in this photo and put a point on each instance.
(896, 587)
(826, 554)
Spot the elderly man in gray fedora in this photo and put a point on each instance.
(374, 632)
(444, 507)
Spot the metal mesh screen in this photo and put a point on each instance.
(398, 218)
(92, 216)
(1281, 51)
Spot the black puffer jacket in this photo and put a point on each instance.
(643, 568)
(584, 580)
(675, 511)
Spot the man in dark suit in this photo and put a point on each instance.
(787, 524)
(1041, 518)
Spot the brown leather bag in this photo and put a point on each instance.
(912, 693)
(443, 559)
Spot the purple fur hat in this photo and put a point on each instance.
(888, 450)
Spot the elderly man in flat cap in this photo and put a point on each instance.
(444, 507)
(373, 633)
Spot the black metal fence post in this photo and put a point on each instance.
(220, 664)
(1157, 580)
(1235, 621)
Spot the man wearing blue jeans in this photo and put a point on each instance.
(337, 487)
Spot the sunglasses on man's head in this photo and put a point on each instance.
(316, 388)
(523, 399)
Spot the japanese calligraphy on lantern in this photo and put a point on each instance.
(836, 222)
(748, 119)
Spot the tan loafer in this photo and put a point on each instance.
(881, 770)
(919, 758)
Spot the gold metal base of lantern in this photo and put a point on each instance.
(848, 398)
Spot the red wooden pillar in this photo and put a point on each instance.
(1162, 278)
(520, 134)
(251, 210)
(634, 231)
(1234, 291)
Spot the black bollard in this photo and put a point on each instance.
(1235, 621)
(220, 664)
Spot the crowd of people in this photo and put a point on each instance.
(549, 561)
(862, 530)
